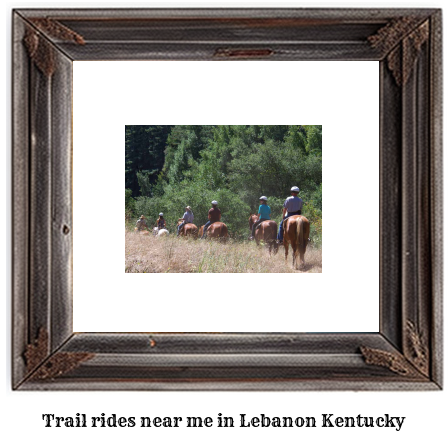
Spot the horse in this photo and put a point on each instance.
(266, 231)
(142, 232)
(158, 233)
(163, 233)
(188, 230)
(217, 230)
(297, 232)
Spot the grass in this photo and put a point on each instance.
(148, 254)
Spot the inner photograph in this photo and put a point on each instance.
(223, 198)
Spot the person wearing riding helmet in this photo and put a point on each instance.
(291, 207)
(187, 218)
(214, 215)
(160, 224)
(264, 214)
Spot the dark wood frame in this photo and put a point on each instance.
(406, 354)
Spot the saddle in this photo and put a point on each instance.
(289, 217)
(286, 220)
(258, 226)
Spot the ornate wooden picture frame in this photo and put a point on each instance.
(406, 353)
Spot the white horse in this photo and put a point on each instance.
(159, 233)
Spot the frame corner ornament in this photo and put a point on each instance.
(401, 39)
(418, 350)
(59, 364)
(39, 49)
(37, 351)
(397, 363)
(40, 365)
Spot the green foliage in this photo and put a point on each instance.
(129, 203)
(144, 151)
(184, 145)
(144, 181)
(314, 138)
(234, 164)
(317, 197)
(314, 215)
(276, 205)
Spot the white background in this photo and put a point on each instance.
(21, 412)
(110, 95)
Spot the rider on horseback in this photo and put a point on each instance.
(291, 207)
(214, 215)
(141, 224)
(187, 218)
(264, 214)
(161, 224)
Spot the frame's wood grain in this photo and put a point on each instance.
(436, 196)
(405, 354)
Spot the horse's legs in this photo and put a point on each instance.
(301, 249)
(285, 244)
(303, 241)
(302, 255)
(295, 253)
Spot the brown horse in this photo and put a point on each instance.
(266, 231)
(217, 230)
(188, 230)
(297, 231)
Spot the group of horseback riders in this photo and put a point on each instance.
(141, 223)
(214, 215)
(291, 207)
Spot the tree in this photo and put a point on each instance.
(171, 167)
(144, 151)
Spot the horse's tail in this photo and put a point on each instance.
(300, 234)
(225, 232)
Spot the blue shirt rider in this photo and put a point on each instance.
(291, 207)
(264, 214)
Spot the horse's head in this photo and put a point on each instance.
(252, 220)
